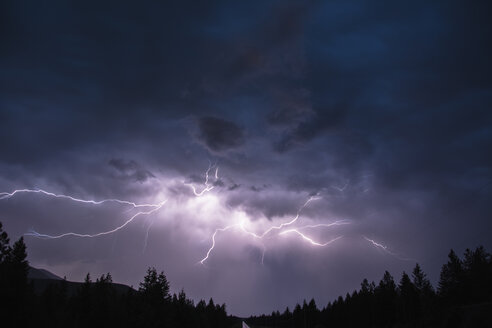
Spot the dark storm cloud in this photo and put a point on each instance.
(292, 114)
(258, 188)
(219, 183)
(381, 108)
(259, 202)
(131, 169)
(307, 130)
(108, 80)
(218, 134)
(233, 187)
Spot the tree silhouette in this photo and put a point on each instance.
(409, 299)
(463, 300)
(4, 245)
(420, 281)
(297, 316)
(13, 278)
(413, 303)
(425, 291)
(451, 280)
(155, 286)
(4, 255)
(386, 295)
(478, 275)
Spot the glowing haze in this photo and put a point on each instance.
(259, 153)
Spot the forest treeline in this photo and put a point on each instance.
(463, 298)
(95, 303)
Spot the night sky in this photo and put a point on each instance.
(375, 115)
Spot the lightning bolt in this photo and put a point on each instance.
(311, 241)
(278, 227)
(147, 236)
(208, 186)
(386, 250)
(263, 255)
(212, 173)
(341, 189)
(6, 195)
(74, 234)
(327, 225)
(155, 207)
(213, 241)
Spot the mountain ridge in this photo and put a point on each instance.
(42, 279)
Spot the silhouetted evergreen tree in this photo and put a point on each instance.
(451, 281)
(408, 305)
(155, 287)
(154, 291)
(366, 303)
(464, 300)
(287, 314)
(4, 245)
(413, 303)
(426, 295)
(477, 275)
(385, 298)
(311, 313)
(4, 256)
(420, 281)
(297, 316)
(14, 286)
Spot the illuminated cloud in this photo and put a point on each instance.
(338, 99)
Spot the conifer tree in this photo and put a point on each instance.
(451, 280)
(155, 286)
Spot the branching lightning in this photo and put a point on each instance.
(310, 240)
(155, 207)
(212, 173)
(208, 186)
(280, 227)
(74, 234)
(213, 241)
(326, 225)
(341, 189)
(5, 195)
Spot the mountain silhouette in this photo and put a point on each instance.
(35, 273)
(42, 279)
